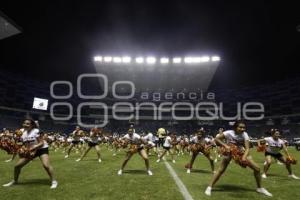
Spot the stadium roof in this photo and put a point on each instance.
(7, 27)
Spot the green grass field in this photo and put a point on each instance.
(89, 179)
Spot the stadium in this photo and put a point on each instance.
(149, 100)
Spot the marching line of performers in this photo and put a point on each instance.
(230, 145)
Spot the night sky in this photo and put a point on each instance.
(257, 40)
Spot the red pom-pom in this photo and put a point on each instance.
(261, 148)
(291, 160)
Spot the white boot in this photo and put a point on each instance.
(54, 184)
(120, 172)
(293, 176)
(208, 191)
(9, 184)
(264, 191)
(264, 175)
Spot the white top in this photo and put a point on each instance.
(186, 139)
(32, 137)
(134, 138)
(273, 146)
(94, 137)
(76, 135)
(207, 140)
(195, 139)
(61, 138)
(149, 137)
(237, 139)
(167, 142)
(51, 138)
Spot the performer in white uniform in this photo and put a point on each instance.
(35, 143)
(136, 146)
(93, 141)
(149, 138)
(200, 144)
(240, 139)
(273, 147)
(167, 145)
(76, 134)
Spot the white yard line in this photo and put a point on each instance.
(185, 193)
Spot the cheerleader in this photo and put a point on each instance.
(76, 134)
(35, 143)
(93, 141)
(168, 144)
(239, 138)
(200, 144)
(273, 147)
(136, 143)
(116, 144)
(184, 144)
(149, 138)
(178, 146)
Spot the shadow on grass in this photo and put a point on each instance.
(89, 160)
(276, 175)
(234, 191)
(135, 171)
(35, 182)
(201, 171)
(233, 188)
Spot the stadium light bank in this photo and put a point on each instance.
(189, 60)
